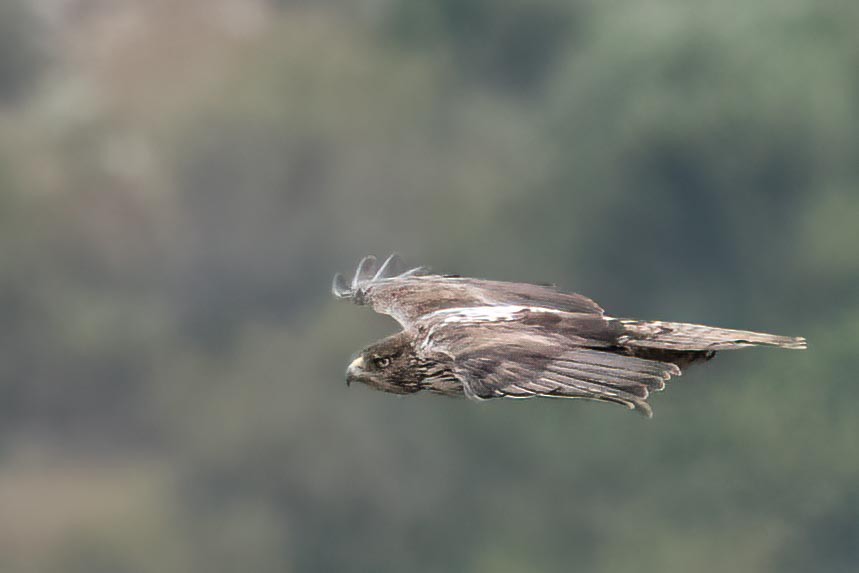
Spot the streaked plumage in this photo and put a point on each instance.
(490, 339)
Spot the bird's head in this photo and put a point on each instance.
(389, 365)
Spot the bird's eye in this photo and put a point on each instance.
(382, 361)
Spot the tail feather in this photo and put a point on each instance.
(682, 336)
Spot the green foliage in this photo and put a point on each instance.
(512, 46)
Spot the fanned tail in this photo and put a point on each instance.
(682, 336)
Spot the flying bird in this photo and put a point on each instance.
(488, 339)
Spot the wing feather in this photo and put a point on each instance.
(509, 359)
(407, 296)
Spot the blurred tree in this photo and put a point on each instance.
(22, 49)
(512, 46)
(164, 285)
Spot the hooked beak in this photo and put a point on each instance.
(355, 370)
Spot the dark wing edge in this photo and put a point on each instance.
(584, 373)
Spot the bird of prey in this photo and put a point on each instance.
(490, 339)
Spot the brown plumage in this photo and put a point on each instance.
(491, 339)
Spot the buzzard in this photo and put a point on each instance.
(490, 339)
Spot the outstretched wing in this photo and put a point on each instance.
(411, 294)
(508, 358)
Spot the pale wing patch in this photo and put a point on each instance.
(473, 314)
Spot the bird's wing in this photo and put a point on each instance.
(497, 355)
(408, 295)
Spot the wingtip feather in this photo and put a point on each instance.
(366, 271)
(340, 287)
(390, 268)
(415, 272)
(369, 272)
(644, 409)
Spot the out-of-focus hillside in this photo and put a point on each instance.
(180, 179)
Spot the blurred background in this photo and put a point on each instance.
(179, 180)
